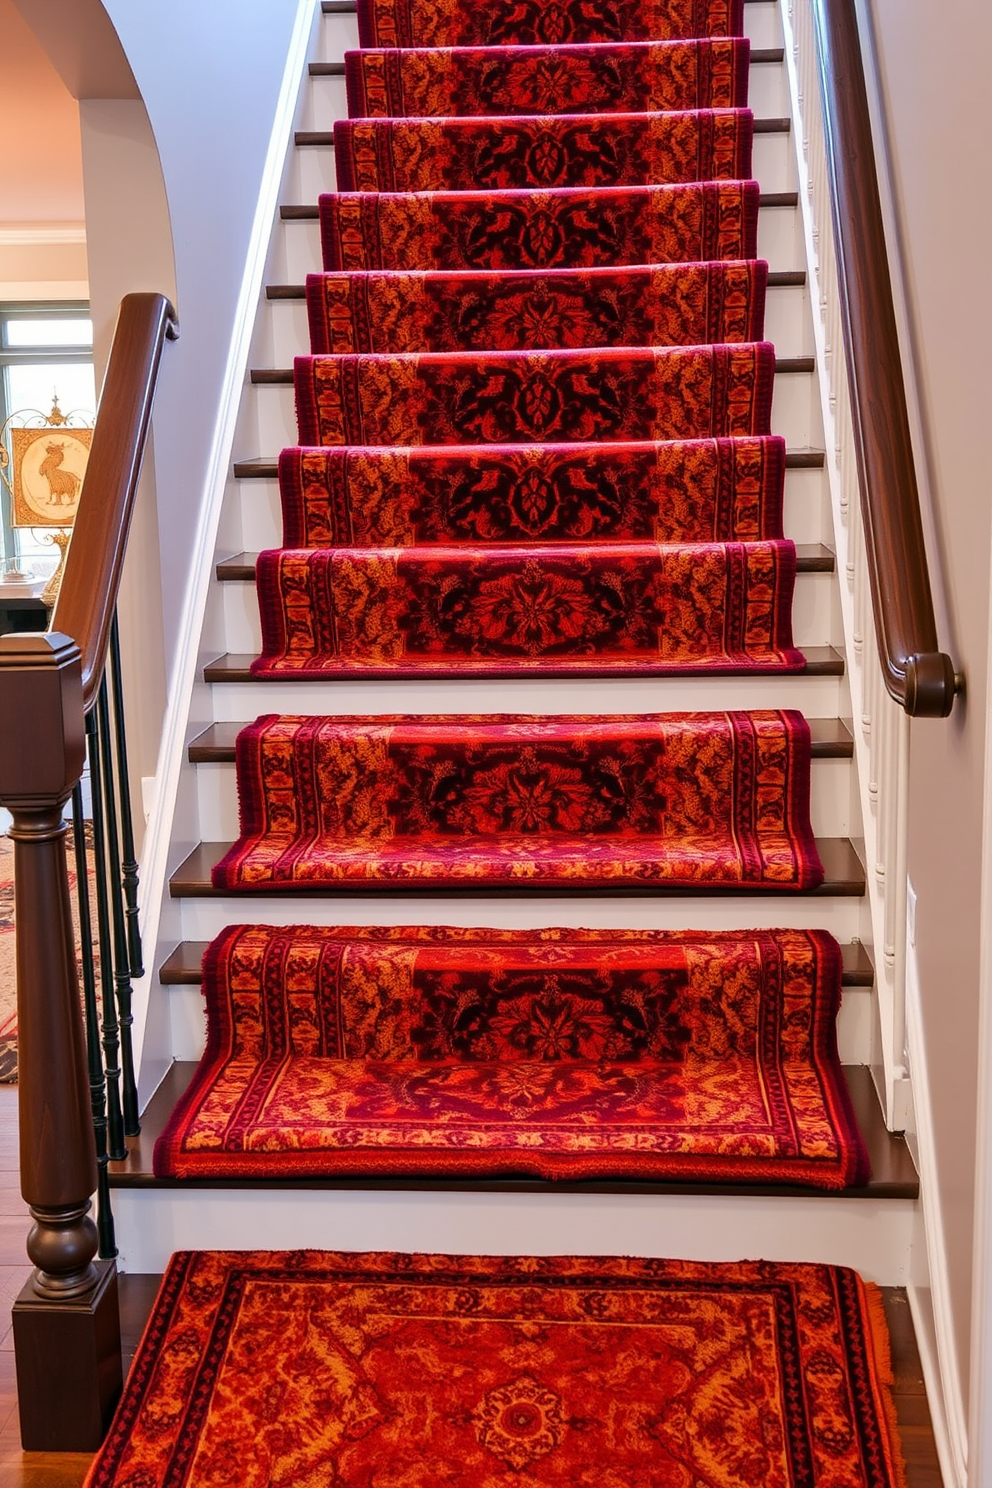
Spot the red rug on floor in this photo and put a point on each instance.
(312, 1367)
(570, 228)
(680, 800)
(542, 151)
(596, 609)
(556, 1053)
(636, 77)
(533, 310)
(508, 397)
(693, 491)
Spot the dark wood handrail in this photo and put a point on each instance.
(917, 674)
(90, 582)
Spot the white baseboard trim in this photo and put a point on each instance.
(155, 857)
(933, 1316)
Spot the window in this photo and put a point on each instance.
(46, 352)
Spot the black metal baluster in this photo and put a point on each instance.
(111, 1030)
(94, 1058)
(121, 958)
(129, 863)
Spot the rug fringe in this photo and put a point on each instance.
(877, 1334)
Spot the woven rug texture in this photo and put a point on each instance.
(479, 1372)
(462, 1053)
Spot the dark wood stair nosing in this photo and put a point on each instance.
(821, 661)
(831, 739)
(777, 279)
(843, 869)
(892, 1167)
(307, 212)
(259, 469)
(327, 69)
(283, 376)
(324, 138)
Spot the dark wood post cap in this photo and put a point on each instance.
(42, 730)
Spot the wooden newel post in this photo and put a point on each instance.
(66, 1323)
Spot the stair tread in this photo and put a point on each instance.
(810, 558)
(183, 967)
(844, 875)
(306, 212)
(262, 469)
(821, 661)
(777, 279)
(893, 1174)
(831, 739)
(283, 376)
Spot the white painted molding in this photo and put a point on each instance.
(31, 235)
(13, 291)
(981, 1286)
(933, 1318)
(155, 855)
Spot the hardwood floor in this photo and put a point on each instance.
(67, 1470)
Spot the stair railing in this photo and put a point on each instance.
(74, 1112)
(895, 667)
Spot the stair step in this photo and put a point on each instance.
(893, 1174)
(821, 661)
(831, 739)
(844, 875)
(810, 558)
(799, 459)
(283, 376)
(324, 138)
(183, 968)
(306, 213)
(777, 279)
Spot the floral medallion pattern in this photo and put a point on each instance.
(706, 1055)
(414, 1370)
(543, 151)
(494, 230)
(642, 77)
(447, 23)
(684, 305)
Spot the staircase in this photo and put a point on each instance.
(870, 1227)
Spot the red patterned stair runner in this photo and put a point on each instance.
(461, 1052)
(535, 437)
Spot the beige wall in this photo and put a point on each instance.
(42, 248)
(933, 90)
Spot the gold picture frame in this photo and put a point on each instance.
(49, 464)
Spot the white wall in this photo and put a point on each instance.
(210, 80)
(934, 80)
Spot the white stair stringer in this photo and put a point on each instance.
(872, 1234)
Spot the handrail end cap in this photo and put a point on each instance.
(931, 685)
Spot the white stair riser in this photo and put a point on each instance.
(339, 34)
(202, 918)
(786, 324)
(187, 1020)
(831, 799)
(816, 697)
(806, 511)
(780, 238)
(873, 1236)
(763, 24)
(271, 415)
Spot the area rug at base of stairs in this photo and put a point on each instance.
(312, 1367)
(665, 800)
(589, 609)
(554, 1053)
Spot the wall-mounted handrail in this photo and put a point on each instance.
(88, 594)
(917, 674)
